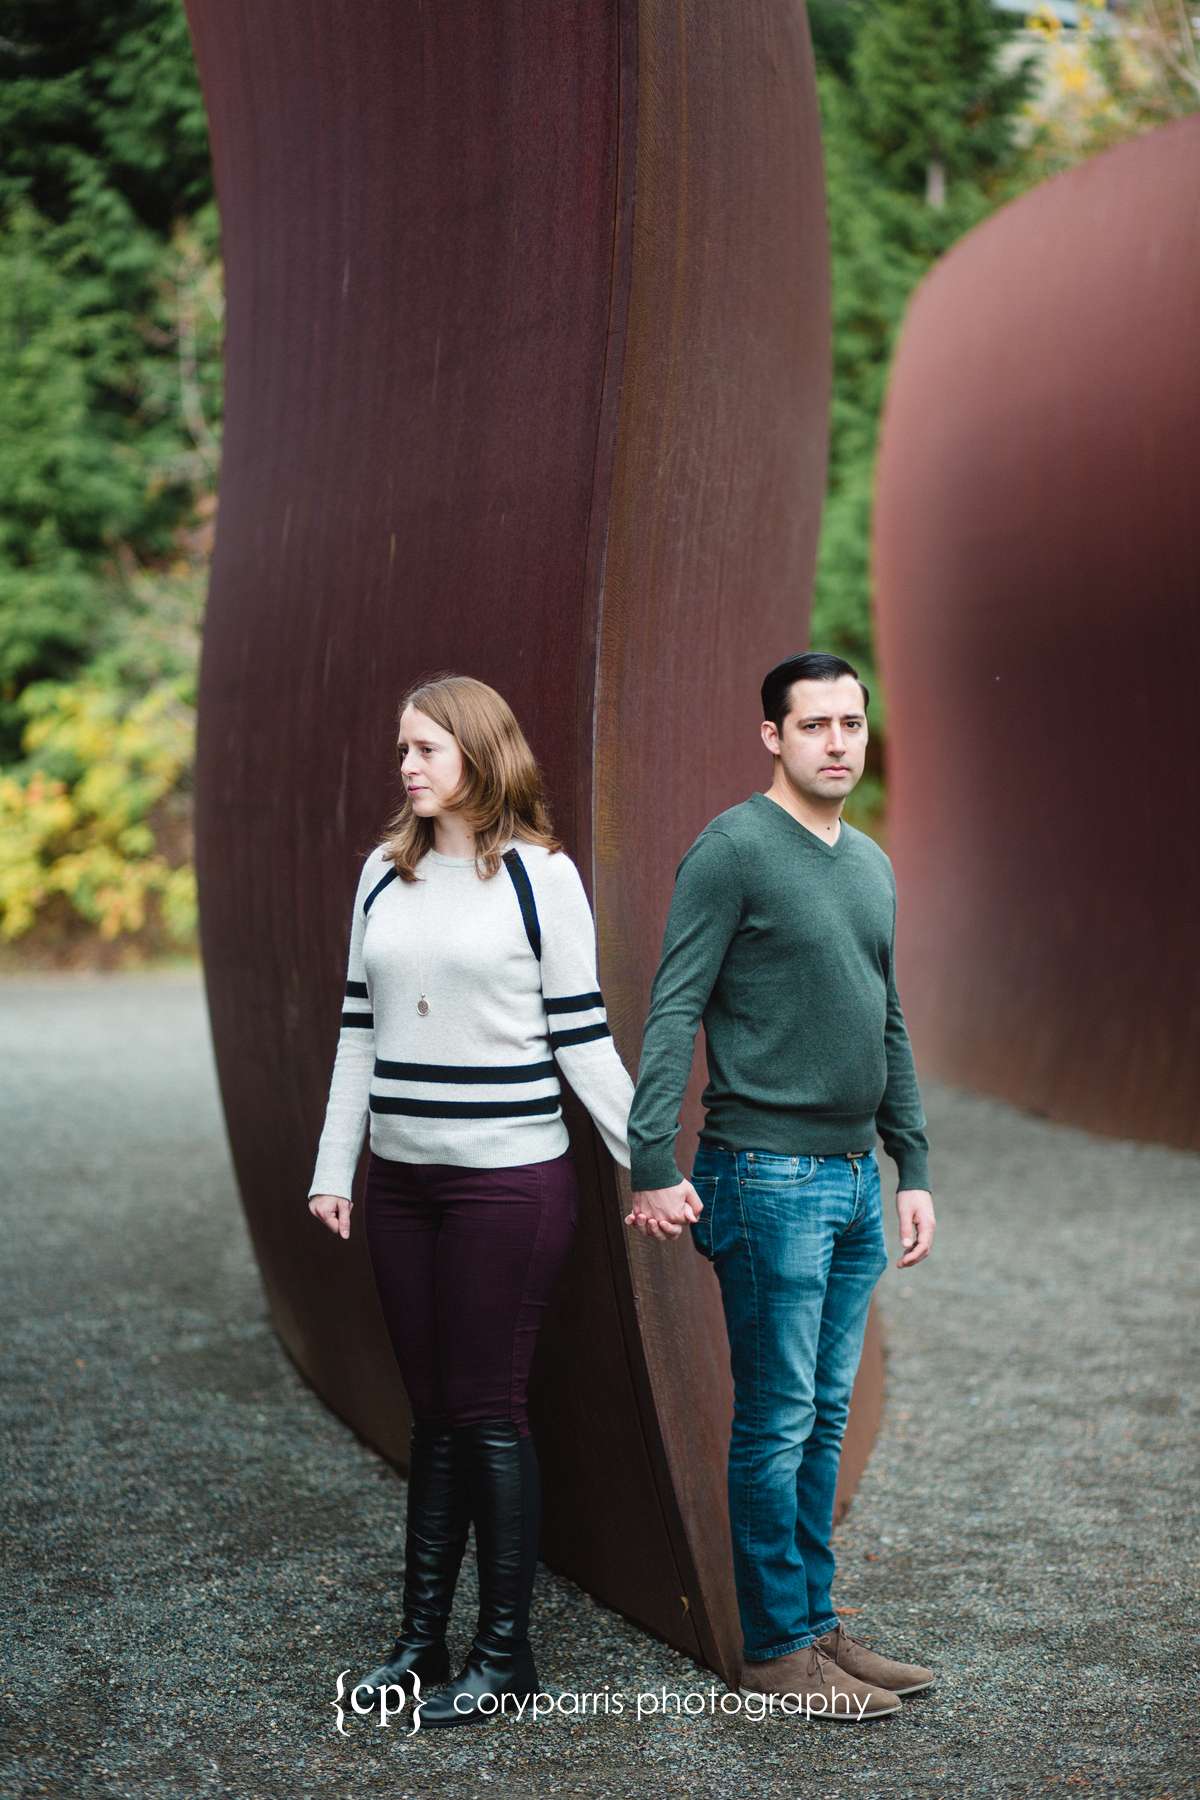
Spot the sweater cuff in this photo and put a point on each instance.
(341, 1186)
(912, 1164)
(653, 1168)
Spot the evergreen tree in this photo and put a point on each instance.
(939, 98)
(110, 391)
(833, 25)
(880, 142)
(108, 241)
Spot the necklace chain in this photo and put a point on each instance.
(423, 1002)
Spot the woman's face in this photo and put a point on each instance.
(430, 762)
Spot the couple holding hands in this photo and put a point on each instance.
(472, 982)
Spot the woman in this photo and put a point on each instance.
(472, 970)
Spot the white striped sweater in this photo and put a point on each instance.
(474, 1081)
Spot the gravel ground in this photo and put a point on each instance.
(196, 1546)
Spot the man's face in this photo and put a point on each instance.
(823, 744)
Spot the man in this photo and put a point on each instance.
(781, 937)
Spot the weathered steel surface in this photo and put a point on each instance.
(1037, 542)
(485, 412)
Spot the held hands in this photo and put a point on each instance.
(332, 1210)
(663, 1212)
(914, 1208)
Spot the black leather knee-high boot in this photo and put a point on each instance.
(505, 1489)
(435, 1537)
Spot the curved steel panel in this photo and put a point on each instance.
(1036, 555)
(484, 412)
(711, 541)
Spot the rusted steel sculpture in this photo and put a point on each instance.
(528, 359)
(1037, 555)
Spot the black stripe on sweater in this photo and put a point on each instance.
(463, 1109)
(464, 1072)
(378, 888)
(366, 1020)
(575, 1003)
(356, 990)
(582, 1034)
(528, 905)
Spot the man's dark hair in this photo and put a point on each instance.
(813, 665)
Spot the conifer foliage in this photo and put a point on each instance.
(110, 405)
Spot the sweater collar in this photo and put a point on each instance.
(461, 862)
(793, 826)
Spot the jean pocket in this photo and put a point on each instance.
(702, 1230)
(766, 1169)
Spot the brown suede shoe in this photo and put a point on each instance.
(852, 1655)
(819, 1687)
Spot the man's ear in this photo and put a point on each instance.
(770, 736)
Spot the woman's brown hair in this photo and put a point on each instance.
(500, 795)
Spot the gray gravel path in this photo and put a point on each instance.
(196, 1547)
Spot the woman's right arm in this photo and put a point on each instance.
(346, 1112)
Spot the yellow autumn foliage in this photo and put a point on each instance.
(95, 823)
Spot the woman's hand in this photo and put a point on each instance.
(663, 1212)
(333, 1210)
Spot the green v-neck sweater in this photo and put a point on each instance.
(783, 945)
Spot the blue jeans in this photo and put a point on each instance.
(797, 1244)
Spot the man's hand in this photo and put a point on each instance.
(332, 1210)
(914, 1208)
(663, 1212)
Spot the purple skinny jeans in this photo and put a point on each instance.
(465, 1261)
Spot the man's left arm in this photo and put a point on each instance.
(900, 1119)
